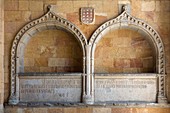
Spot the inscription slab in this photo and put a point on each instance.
(125, 89)
(50, 89)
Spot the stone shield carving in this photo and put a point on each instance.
(87, 15)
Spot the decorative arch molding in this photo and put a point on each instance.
(125, 20)
(48, 21)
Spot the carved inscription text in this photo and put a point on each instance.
(124, 89)
(49, 90)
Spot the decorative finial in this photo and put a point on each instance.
(52, 8)
(49, 7)
(125, 7)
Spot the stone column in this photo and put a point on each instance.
(88, 99)
(162, 99)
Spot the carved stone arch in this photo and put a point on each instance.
(48, 21)
(125, 20)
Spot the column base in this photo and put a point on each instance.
(87, 99)
(162, 100)
(13, 100)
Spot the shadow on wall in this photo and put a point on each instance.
(53, 51)
(124, 51)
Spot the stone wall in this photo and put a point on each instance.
(1, 54)
(53, 51)
(19, 12)
(124, 51)
(86, 110)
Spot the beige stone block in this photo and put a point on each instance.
(148, 62)
(118, 63)
(23, 5)
(41, 62)
(98, 62)
(97, 5)
(165, 5)
(28, 62)
(73, 17)
(10, 110)
(31, 69)
(100, 19)
(115, 70)
(26, 16)
(70, 110)
(143, 52)
(40, 110)
(28, 110)
(107, 42)
(132, 70)
(78, 4)
(102, 110)
(148, 6)
(158, 6)
(110, 6)
(135, 7)
(84, 110)
(158, 110)
(55, 110)
(65, 7)
(10, 27)
(11, 5)
(45, 69)
(98, 52)
(12, 16)
(108, 52)
(8, 38)
(140, 110)
(121, 110)
(101, 69)
(36, 5)
(36, 14)
(107, 62)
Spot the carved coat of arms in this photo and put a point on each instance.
(87, 15)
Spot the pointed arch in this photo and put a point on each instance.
(48, 21)
(125, 20)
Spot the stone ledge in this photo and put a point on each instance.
(77, 105)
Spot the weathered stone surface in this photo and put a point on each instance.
(55, 110)
(102, 110)
(123, 50)
(136, 88)
(24, 5)
(148, 6)
(50, 88)
(36, 5)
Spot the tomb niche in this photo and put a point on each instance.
(40, 74)
(124, 67)
(47, 62)
(127, 62)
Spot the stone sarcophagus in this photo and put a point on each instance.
(50, 88)
(125, 88)
(86, 86)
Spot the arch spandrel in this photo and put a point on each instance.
(48, 21)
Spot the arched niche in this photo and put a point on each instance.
(47, 22)
(124, 51)
(126, 21)
(53, 51)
